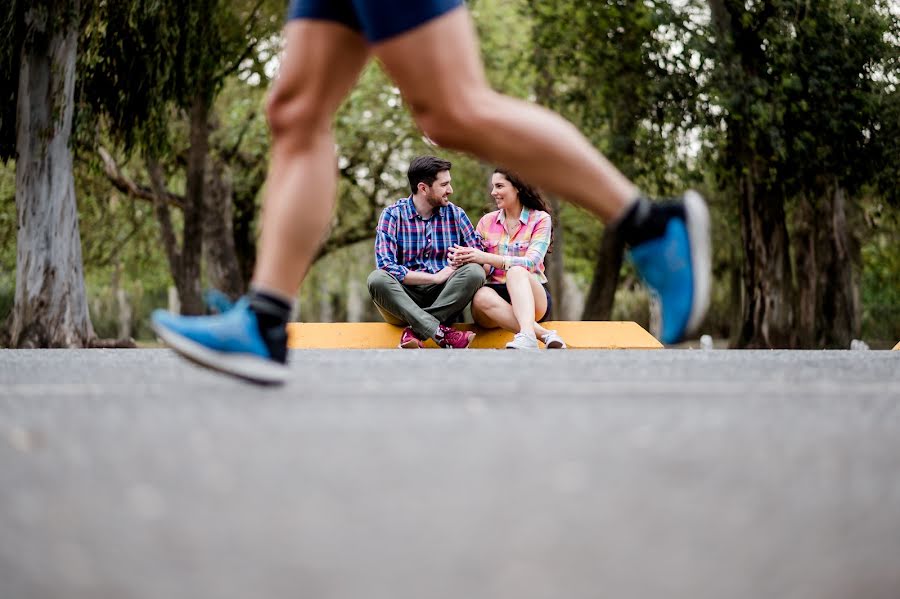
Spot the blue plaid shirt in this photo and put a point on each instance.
(404, 241)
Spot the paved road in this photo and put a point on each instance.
(458, 475)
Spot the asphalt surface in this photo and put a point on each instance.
(463, 475)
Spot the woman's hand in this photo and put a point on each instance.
(460, 255)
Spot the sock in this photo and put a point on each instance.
(272, 313)
(646, 220)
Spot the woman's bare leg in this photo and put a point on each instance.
(490, 311)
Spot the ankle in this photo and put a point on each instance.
(272, 313)
(645, 220)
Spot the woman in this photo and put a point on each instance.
(516, 237)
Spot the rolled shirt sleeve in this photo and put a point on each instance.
(467, 233)
(386, 245)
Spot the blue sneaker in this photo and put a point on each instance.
(676, 268)
(229, 342)
(217, 301)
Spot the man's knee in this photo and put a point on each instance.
(378, 281)
(472, 274)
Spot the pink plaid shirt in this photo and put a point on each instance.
(526, 247)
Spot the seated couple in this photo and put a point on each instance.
(431, 262)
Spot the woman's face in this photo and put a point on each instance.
(503, 192)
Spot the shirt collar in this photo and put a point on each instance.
(523, 217)
(409, 207)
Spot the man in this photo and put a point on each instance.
(429, 49)
(414, 285)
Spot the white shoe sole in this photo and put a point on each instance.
(556, 343)
(697, 216)
(512, 345)
(245, 366)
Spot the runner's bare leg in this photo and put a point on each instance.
(457, 109)
(321, 63)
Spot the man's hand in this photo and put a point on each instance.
(443, 275)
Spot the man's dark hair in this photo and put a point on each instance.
(424, 169)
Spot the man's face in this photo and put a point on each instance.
(440, 191)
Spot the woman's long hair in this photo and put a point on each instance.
(529, 196)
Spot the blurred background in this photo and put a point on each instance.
(784, 114)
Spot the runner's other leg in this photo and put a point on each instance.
(438, 69)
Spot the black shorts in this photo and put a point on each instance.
(504, 293)
(377, 20)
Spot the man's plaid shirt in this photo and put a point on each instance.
(404, 241)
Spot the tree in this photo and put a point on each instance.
(801, 96)
(186, 51)
(604, 65)
(50, 307)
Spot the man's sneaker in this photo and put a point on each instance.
(523, 341)
(676, 268)
(408, 340)
(453, 339)
(228, 342)
(552, 340)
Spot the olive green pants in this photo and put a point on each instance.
(424, 307)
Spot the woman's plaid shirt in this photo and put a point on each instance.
(526, 247)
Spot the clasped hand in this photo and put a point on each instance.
(460, 254)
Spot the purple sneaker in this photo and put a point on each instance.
(408, 340)
(454, 339)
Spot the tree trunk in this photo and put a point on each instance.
(50, 302)
(164, 218)
(555, 264)
(223, 272)
(768, 285)
(842, 319)
(188, 278)
(243, 221)
(805, 240)
(827, 257)
(602, 295)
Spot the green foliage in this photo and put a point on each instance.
(138, 59)
(650, 83)
(805, 89)
(880, 288)
(8, 231)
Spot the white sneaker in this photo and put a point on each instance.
(553, 341)
(523, 341)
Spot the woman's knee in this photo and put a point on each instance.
(517, 273)
(482, 304)
(481, 300)
(486, 299)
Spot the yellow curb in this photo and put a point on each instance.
(379, 335)
(897, 347)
